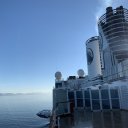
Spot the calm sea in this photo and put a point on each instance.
(19, 111)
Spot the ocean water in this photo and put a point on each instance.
(19, 111)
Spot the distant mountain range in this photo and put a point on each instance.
(10, 94)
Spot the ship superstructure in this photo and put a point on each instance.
(106, 85)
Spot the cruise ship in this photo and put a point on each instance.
(105, 87)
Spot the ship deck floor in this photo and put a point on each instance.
(88, 119)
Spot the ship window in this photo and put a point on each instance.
(87, 103)
(79, 102)
(95, 94)
(79, 94)
(58, 85)
(70, 95)
(86, 94)
(105, 104)
(114, 93)
(115, 104)
(104, 94)
(96, 104)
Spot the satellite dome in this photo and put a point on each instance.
(58, 75)
(80, 72)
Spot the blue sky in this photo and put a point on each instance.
(40, 37)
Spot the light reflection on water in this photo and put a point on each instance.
(106, 119)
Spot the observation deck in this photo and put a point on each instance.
(114, 24)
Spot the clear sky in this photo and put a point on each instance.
(40, 37)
